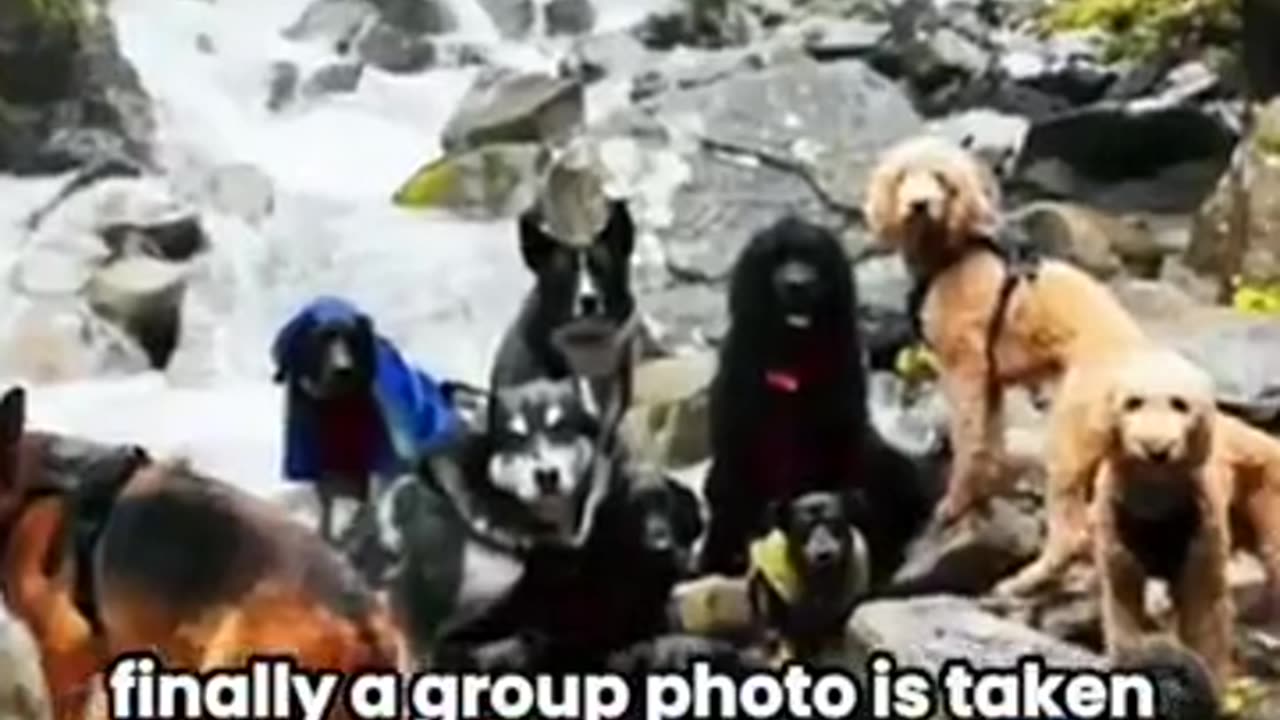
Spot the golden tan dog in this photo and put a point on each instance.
(1162, 505)
(185, 566)
(939, 206)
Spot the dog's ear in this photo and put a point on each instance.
(13, 416)
(13, 419)
(365, 341)
(775, 515)
(289, 344)
(536, 246)
(619, 232)
(878, 206)
(976, 212)
(685, 511)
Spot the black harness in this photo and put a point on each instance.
(1021, 259)
(89, 477)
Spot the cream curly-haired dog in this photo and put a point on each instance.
(939, 206)
(1181, 486)
(992, 328)
(1161, 509)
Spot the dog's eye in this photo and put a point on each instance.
(1132, 403)
(1179, 405)
(943, 183)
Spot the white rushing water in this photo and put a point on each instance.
(441, 287)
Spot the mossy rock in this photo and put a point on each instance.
(39, 43)
(492, 180)
(1140, 29)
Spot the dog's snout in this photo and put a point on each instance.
(340, 358)
(548, 480)
(919, 206)
(589, 304)
(1158, 451)
(658, 535)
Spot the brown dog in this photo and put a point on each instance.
(990, 328)
(106, 552)
(1162, 506)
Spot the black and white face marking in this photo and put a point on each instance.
(544, 442)
(796, 285)
(338, 359)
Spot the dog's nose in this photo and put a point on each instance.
(1159, 453)
(589, 305)
(548, 480)
(919, 206)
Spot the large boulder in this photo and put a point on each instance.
(123, 246)
(68, 96)
(1237, 349)
(794, 137)
(503, 105)
(513, 19)
(494, 180)
(925, 633)
(1159, 157)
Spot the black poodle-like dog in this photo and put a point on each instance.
(788, 405)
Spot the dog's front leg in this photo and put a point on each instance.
(1203, 600)
(325, 497)
(1077, 445)
(1123, 584)
(977, 439)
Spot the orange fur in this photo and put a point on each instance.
(1061, 321)
(280, 612)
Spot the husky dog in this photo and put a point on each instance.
(532, 548)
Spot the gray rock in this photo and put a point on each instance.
(613, 53)
(282, 84)
(1237, 349)
(418, 17)
(883, 284)
(926, 632)
(494, 180)
(843, 39)
(333, 21)
(121, 245)
(688, 315)
(569, 17)
(395, 50)
(971, 558)
(24, 694)
(797, 137)
(69, 97)
(514, 19)
(995, 137)
(333, 78)
(506, 106)
(1127, 157)
(205, 44)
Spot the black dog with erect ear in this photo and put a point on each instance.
(809, 572)
(580, 318)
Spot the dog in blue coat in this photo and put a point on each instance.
(357, 413)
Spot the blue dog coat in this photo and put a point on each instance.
(415, 416)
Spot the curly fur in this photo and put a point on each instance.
(770, 441)
(1061, 325)
(1161, 507)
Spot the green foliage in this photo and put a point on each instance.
(1138, 29)
(53, 14)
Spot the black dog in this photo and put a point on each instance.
(580, 318)
(807, 575)
(788, 404)
(356, 410)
